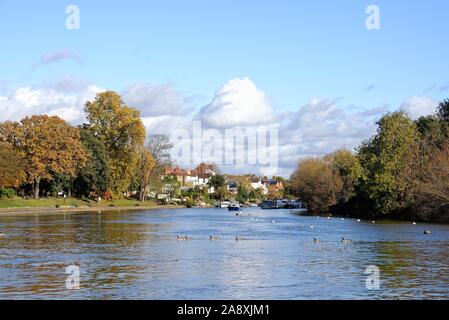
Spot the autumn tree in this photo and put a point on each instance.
(318, 183)
(47, 145)
(12, 173)
(384, 160)
(121, 130)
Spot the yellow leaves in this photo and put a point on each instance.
(121, 130)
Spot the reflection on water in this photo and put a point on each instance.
(135, 255)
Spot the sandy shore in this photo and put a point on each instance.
(53, 210)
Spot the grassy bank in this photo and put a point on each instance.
(18, 203)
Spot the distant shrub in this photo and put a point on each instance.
(7, 193)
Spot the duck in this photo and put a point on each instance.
(239, 238)
(185, 238)
(316, 240)
(427, 232)
(212, 238)
(343, 240)
(2, 235)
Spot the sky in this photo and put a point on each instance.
(311, 69)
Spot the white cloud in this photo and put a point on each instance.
(238, 103)
(417, 107)
(321, 127)
(157, 100)
(27, 101)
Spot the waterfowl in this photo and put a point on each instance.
(239, 238)
(185, 238)
(346, 240)
(427, 232)
(316, 240)
(311, 227)
(212, 238)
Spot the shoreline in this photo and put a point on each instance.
(52, 210)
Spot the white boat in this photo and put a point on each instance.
(225, 204)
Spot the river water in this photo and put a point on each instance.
(135, 255)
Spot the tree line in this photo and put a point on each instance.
(105, 157)
(400, 172)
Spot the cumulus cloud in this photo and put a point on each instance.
(321, 127)
(157, 100)
(238, 103)
(46, 99)
(417, 107)
(60, 55)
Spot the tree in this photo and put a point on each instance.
(431, 186)
(144, 171)
(11, 171)
(47, 145)
(121, 130)
(384, 160)
(443, 110)
(347, 164)
(217, 181)
(158, 146)
(242, 194)
(93, 177)
(318, 183)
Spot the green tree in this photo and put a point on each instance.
(347, 164)
(217, 181)
(121, 130)
(384, 161)
(242, 194)
(93, 177)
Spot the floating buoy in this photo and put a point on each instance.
(311, 227)
(342, 219)
(414, 223)
(358, 220)
(373, 222)
(427, 232)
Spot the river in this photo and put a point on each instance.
(135, 255)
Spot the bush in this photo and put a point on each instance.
(7, 193)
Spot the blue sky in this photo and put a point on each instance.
(293, 51)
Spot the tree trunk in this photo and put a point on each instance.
(36, 188)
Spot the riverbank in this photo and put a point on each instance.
(19, 206)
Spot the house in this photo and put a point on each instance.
(256, 184)
(232, 186)
(198, 177)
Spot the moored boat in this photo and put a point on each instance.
(234, 207)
